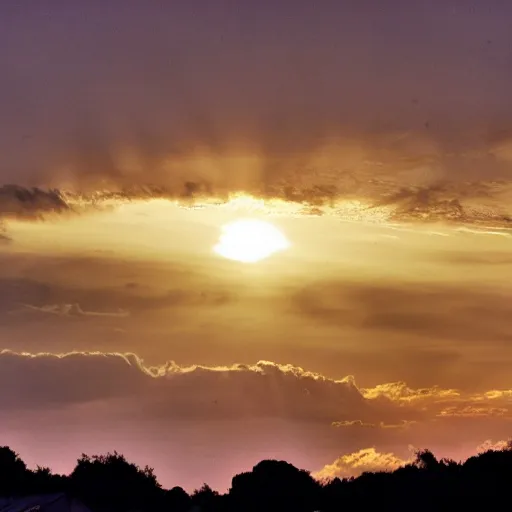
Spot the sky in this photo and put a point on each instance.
(376, 139)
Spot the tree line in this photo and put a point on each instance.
(110, 483)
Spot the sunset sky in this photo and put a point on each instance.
(374, 137)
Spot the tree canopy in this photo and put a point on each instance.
(111, 483)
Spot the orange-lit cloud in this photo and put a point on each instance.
(473, 411)
(354, 464)
(491, 445)
(361, 424)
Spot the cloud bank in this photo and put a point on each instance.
(265, 389)
(264, 102)
(372, 427)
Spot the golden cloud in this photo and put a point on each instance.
(354, 464)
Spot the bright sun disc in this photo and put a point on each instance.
(250, 241)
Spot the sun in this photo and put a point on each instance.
(249, 241)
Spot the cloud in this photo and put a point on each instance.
(55, 296)
(488, 445)
(460, 202)
(266, 407)
(360, 424)
(400, 392)
(171, 389)
(354, 464)
(497, 394)
(474, 260)
(264, 389)
(205, 124)
(416, 332)
(342, 194)
(73, 378)
(30, 203)
(419, 323)
(442, 403)
(71, 310)
(471, 411)
(452, 203)
(424, 202)
(353, 423)
(457, 313)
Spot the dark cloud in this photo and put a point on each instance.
(424, 203)
(47, 381)
(480, 202)
(469, 259)
(261, 390)
(445, 201)
(70, 310)
(264, 102)
(62, 303)
(171, 391)
(382, 331)
(436, 311)
(30, 203)
(23, 296)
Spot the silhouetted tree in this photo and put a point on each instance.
(13, 473)
(425, 459)
(109, 482)
(491, 470)
(275, 485)
(206, 499)
(42, 481)
(177, 500)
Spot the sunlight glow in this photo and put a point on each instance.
(250, 241)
